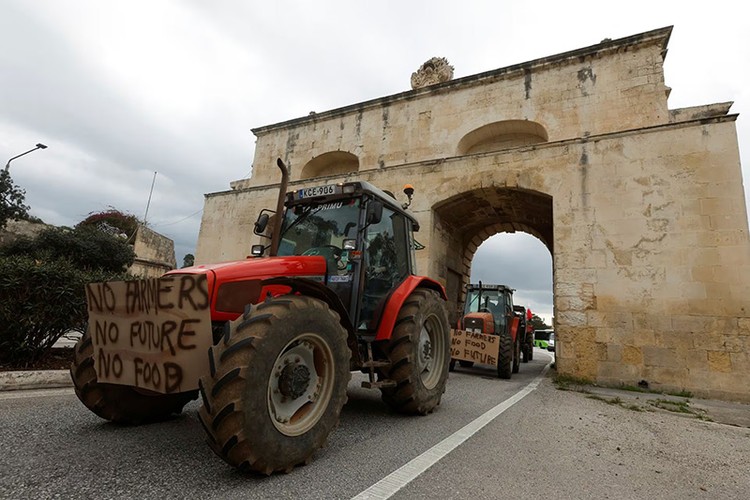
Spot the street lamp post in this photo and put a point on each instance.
(38, 146)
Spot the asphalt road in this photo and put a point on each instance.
(549, 444)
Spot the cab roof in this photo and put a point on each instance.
(483, 286)
(347, 190)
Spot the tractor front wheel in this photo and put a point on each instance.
(419, 352)
(516, 354)
(277, 384)
(121, 404)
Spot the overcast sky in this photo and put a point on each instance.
(119, 90)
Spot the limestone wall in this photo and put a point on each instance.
(15, 228)
(642, 207)
(154, 254)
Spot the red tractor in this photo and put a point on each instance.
(334, 291)
(489, 310)
(525, 332)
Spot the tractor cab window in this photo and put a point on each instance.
(321, 230)
(387, 255)
(498, 303)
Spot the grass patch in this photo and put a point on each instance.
(609, 401)
(645, 390)
(568, 383)
(674, 406)
(615, 401)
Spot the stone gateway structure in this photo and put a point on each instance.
(641, 206)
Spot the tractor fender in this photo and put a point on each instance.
(397, 299)
(514, 327)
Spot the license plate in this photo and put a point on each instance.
(312, 192)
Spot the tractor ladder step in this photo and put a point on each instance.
(380, 384)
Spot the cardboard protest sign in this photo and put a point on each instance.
(477, 347)
(152, 333)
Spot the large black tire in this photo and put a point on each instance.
(505, 356)
(277, 384)
(419, 352)
(121, 404)
(517, 354)
(528, 351)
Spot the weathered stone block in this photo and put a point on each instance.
(719, 361)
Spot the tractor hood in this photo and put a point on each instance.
(234, 284)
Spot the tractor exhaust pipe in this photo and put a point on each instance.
(276, 235)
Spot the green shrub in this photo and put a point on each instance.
(42, 300)
(85, 247)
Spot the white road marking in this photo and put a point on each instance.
(389, 485)
(39, 393)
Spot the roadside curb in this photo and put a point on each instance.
(721, 412)
(41, 379)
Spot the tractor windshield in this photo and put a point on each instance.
(319, 229)
(482, 300)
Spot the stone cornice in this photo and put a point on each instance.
(659, 37)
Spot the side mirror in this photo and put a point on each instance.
(261, 224)
(374, 212)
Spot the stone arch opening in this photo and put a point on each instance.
(522, 262)
(331, 163)
(502, 135)
(466, 220)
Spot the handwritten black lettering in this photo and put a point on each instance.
(146, 374)
(100, 296)
(185, 332)
(106, 362)
(172, 377)
(104, 332)
(167, 328)
(187, 285)
(165, 287)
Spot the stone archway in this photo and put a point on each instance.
(473, 216)
(642, 206)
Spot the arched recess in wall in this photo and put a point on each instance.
(502, 135)
(331, 163)
(473, 216)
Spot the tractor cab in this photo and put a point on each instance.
(364, 235)
(488, 308)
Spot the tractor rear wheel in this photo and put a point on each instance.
(121, 404)
(528, 351)
(419, 352)
(505, 356)
(277, 384)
